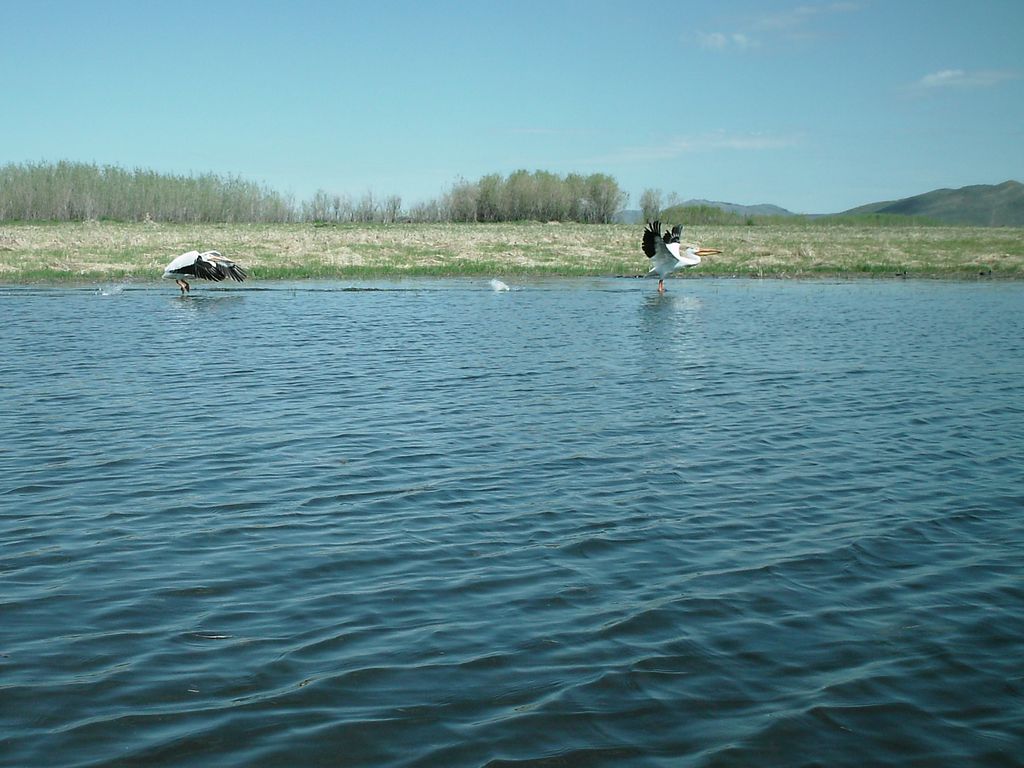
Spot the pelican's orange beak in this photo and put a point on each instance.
(702, 252)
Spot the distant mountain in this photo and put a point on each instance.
(981, 205)
(630, 216)
(636, 217)
(764, 209)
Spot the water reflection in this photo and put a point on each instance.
(205, 302)
(675, 347)
(671, 318)
(673, 301)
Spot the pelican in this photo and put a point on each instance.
(662, 248)
(208, 265)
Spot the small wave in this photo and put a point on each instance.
(577, 528)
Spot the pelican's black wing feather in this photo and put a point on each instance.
(651, 235)
(227, 267)
(235, 272)
(207, 270)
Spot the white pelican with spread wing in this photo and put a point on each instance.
(662, 248)
(208, 265)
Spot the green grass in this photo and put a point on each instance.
(105, 251)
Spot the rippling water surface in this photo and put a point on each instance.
(574, 523)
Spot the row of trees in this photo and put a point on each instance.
(68, 191)
(537, 196)
(337, 209)
(521, 196)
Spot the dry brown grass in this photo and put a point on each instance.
(106, 250)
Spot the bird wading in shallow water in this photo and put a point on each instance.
(208, 265)
(662, 248)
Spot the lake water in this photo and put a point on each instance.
(576, 523)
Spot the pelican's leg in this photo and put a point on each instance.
(183, 285)
(661, 286)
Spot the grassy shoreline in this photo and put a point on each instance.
(111, 251)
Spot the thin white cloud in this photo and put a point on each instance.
(725, 41)
(709, 142)
(962, 78)
(721, 41)
(797, 20)
(791, 24)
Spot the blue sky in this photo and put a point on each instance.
(814, 106)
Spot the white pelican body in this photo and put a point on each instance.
(662, 248)
(208, 265)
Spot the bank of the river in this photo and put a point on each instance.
(73, 252)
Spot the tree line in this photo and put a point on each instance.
(525, 196)
(68, 191)
(72, 191)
